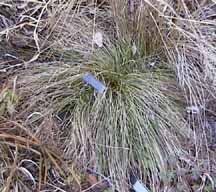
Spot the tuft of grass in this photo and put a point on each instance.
(135, 124)
(183, 31)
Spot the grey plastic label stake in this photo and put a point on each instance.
(96, 84)
(139, 187)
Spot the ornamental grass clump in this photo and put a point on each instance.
(156, 61)
(135, 124)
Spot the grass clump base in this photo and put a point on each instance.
(134, 125)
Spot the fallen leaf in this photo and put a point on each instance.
(92, 179)
(98, 39)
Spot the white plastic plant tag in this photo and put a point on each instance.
(134, 49)
(193, 109)
(96, 84)
(139, 187)
(98, 39)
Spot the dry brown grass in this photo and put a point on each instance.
(54, 36)
(28, 163)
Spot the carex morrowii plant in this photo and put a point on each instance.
(135, 124)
